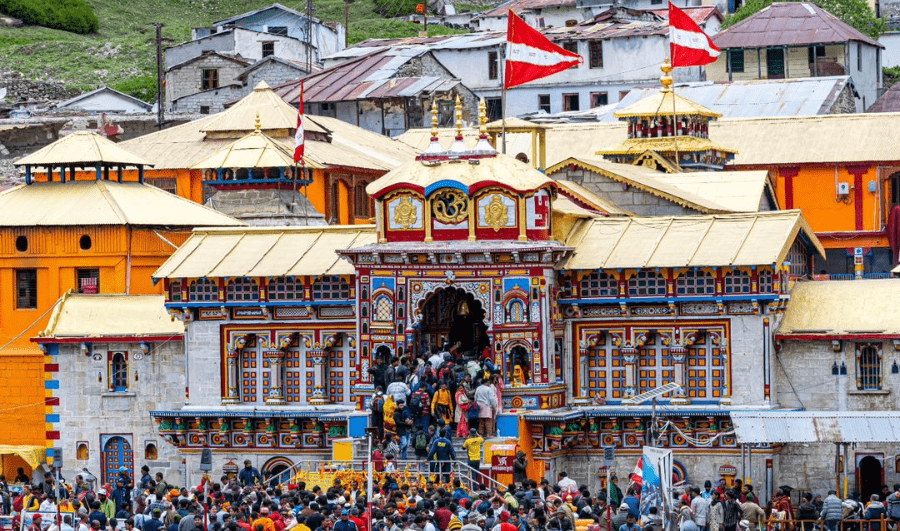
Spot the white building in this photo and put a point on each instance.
(621, 48)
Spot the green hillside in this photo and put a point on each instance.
(122, 54)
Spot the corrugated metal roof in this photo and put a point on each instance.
(373, 76)
(816, 426)
(82, 147)
(834, 308)
(789, 24)
(98, 316)
(686, 241)
(888, 102)
(266, 252)
(700, 14)
(102, 203)
(502, 169)
(707, 192)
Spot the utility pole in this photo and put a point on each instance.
(309, 14)
(347, 22)
(159, 76)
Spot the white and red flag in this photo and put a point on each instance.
(530, 55)
(688, 44)
(299, 135)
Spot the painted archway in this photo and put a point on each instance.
(453, 314)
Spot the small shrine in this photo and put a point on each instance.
(668, 132)
(256, 180)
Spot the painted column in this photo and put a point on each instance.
(231, 377)
(276, 385)
(679, 355)
(319, 395)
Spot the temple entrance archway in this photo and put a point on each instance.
(452, 315)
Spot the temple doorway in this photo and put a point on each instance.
(452, 316)
(869, 474)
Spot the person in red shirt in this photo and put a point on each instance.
(361, 524)
(504, 523)
(442, 515)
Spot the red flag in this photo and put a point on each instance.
(530, 55)
(298, 135)
(688, 44)
(637, 477)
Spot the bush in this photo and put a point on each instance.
(142, 88)
(68, 15)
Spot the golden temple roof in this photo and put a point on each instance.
(256, 150)
(665, 104)
(274, 114)
(266, 252)
(82, 148)
(843, 307)
(686, 241)
(98, 316)
(102, 203)
(667, 144)
(500, 169)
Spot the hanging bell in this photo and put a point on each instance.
(463, 309)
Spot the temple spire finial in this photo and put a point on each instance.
(258, 122)
(483, 146)
(459, 120)
(434, 120)
(666, 79)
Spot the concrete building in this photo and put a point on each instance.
(224, 62)
(622, 48)
(794, 39)
(119, 357)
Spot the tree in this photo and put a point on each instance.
(856, 13)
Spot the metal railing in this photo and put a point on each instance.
(418, 471)
(876, 524)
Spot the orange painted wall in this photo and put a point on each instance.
(56, 255)
(814, 191)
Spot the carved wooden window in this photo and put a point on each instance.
(646, 284)
(330, 287)
(285, 289)
(175, 291)
(599, 284)
(695, 282)
(737, 282)
(766, 282)
(384, 309)
(242, 289)
(868, 366)
(203, 289)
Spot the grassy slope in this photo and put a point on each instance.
(123, 53)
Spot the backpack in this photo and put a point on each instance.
(472, 413)
(378, 405)
(421, 441)
(18, 502)
(415, 403)
(894, 506)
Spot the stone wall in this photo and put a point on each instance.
(213, 100)
(627, 197)
(87, 409)
(204, 376)
(186, 79)
(274, 73)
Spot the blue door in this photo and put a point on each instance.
(116, 454)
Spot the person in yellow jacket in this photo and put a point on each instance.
(390, 407)
(442, 404)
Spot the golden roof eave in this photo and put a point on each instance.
(82, 148)
(669, 144)
(666, 104)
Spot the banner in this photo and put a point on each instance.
(656, 485)
(48, 518)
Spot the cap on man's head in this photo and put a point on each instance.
(247, 461)
(504, 516)
(473, 431)
(624, 507)
(345, 512)
(101, 492)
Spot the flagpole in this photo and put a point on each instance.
(503, 99)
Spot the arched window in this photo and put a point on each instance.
(285, 289)
(737, 282)
(118, 371)
(330, 287)
(81, 451)
(516, 311)
(695, 282)
(242, 289)
(868, 367)
(646, 284)
(203, 289)
(384, 309)
(766, 282)
(150, 452)
(599, 284)
(175, 291)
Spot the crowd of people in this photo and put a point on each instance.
(417, 400)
